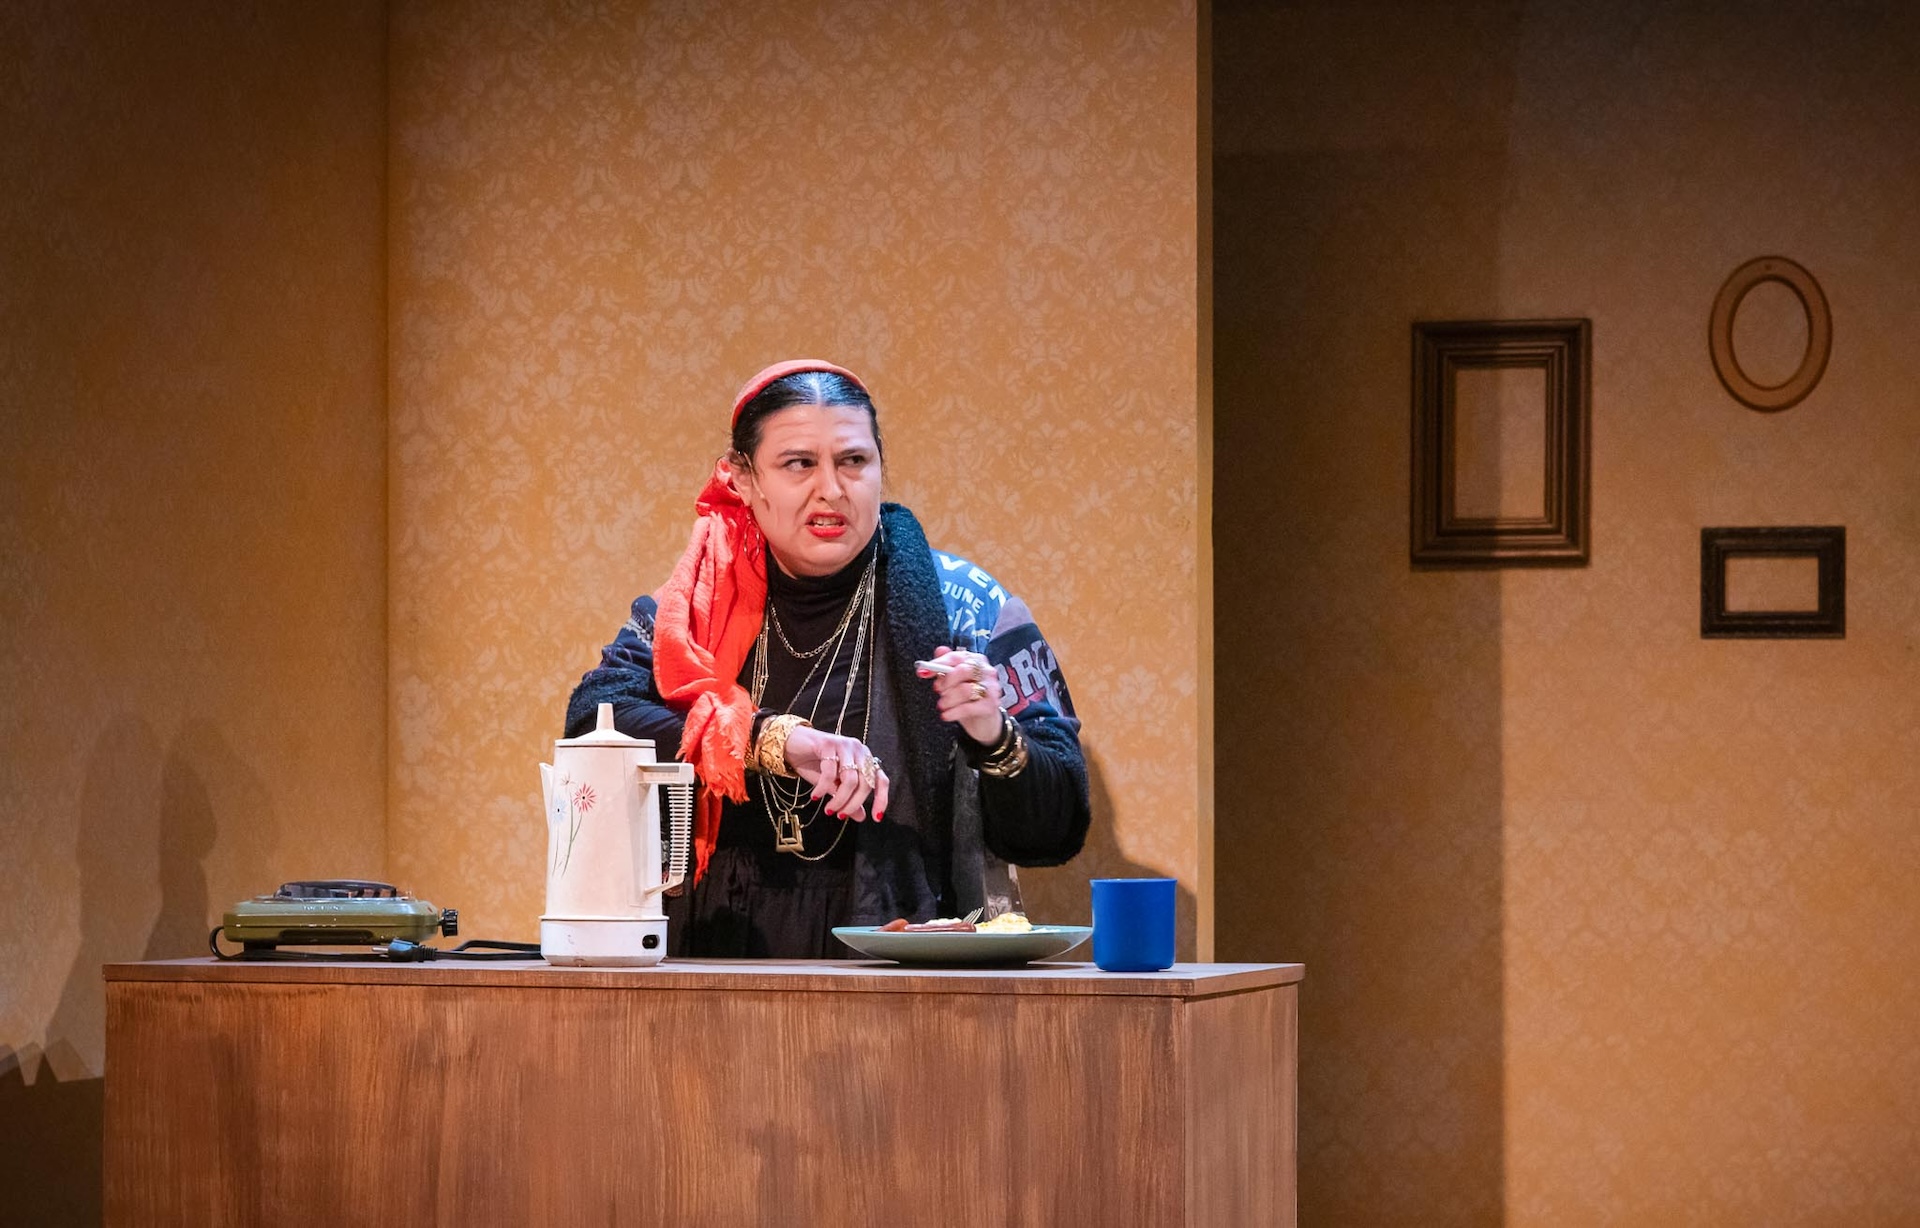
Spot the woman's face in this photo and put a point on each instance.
(814, 486)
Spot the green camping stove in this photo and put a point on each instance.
(334, 912)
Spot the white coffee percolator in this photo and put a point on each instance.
(609, 856)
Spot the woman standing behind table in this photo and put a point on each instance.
(839, 784)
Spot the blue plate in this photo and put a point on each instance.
(960, 947)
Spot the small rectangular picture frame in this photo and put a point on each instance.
(1825, 544)
(1562, 350)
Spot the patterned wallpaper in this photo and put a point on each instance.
(1606, 924)
(605, 216)
(192, 527)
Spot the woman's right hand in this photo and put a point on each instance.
(838, 769)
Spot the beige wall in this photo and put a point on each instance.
(192, 523)
(605, 218)
(1605, 924)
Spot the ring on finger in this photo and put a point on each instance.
(979, 690)
(870, 773)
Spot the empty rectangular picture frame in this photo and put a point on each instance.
(1825, 544)
(1556, 535)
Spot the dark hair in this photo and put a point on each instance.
(801, 388)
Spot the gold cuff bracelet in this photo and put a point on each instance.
(770, 752)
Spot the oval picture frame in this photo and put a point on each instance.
(1770, 398)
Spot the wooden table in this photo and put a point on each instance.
(699, 1093)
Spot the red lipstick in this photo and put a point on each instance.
(827, 528)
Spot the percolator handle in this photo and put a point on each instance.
(675, 781)
(679, 832)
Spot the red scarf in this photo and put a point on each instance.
(710, 614)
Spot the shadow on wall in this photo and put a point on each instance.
(1360, 178)
(49, 1141)
(188, 830)
(145, 825)
(1360, 763)
(1061, 895)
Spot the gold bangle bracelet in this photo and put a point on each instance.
(1010, 761)
(770, 752)
(1001, 745)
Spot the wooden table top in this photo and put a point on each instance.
(801, 976)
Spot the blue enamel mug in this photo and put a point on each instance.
(1133, 924)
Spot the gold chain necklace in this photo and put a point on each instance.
(784, 801)
(773, 616)
(860, 603)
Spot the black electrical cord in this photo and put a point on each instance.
(413, 952)
(399, 951)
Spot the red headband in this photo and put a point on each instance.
(780, 370)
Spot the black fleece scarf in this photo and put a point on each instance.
(915, 620)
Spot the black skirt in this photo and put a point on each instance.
(754, 903)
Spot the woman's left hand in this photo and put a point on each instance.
(969, 693)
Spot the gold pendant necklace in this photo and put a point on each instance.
(784, 802)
